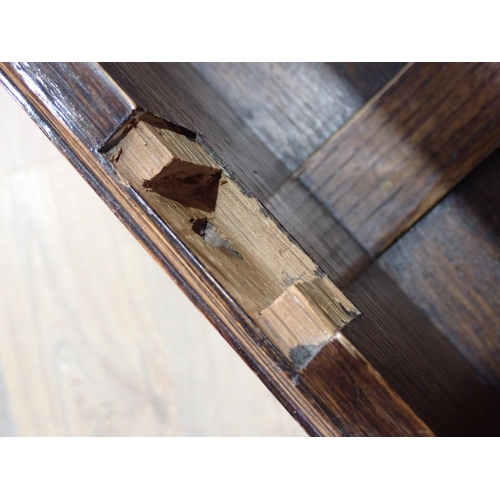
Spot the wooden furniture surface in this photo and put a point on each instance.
(337, 223)
(84, 348)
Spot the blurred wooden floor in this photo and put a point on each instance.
(95, 339)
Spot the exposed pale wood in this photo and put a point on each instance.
(241, 245)
(179, 94)
(449, 264)
(311, 409)
(294, 107)
(96, 339)
(182, 172)
(304, 318)
(407, 148)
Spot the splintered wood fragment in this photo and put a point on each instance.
(270, 277)
(306, 316)
(183, 172)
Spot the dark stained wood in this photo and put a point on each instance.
(323, 238)
(68, 93)
(407, 148)
(179, 94)
(412, 355)
(449, 264)
(294, 107)
(340, 377)
(67, 127)
(365, 79)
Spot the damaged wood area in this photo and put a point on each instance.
(231, 258)
(272, 279)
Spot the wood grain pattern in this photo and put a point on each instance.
(449, 264)
(344, 381)
(66, 376)
(236, 240)
(294, 107)
(186, 269)
(179, 94)
(304, 318)
(407, 148)
(412, 355)
(87, 351)
(114, 105)
(317, 231)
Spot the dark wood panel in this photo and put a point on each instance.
(68, 98)
(412, 355)
(365, 79)
(407, 148)
(317, 231)
(179, 94)
(294, 107)
(311, 409)
(340, 377)
(449, 264)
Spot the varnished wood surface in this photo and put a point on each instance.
(407, 149)
(85, 349)
(412, 355)
(114, 106)
(449, 264)
(235, 326)
(344, 381)
(450, 408)
(295, 107)
(401, 340)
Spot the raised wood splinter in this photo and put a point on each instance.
(183, 172)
